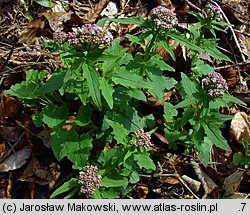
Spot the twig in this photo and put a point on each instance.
(247, 196)
(192, 5)
(232, 30)
(13, 146)
(244, 33)
(232, 65)
(237, 11)
(7, 60)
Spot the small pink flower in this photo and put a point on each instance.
(214, 84)
(163, 17)
(142, 139)
(88, 179)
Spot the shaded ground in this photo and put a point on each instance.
(24, 26)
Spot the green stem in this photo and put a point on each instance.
(149, 47)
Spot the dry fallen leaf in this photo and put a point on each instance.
(16, 160)
(57, 19)
(232, 182)
(211, 189)
(231, 76)
(92, 15)
(169, 180)
(241, 9)
(240, 127)
(142, 191)
(9, 106)
(244, 40)
(36, 173)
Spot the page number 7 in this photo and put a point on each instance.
(243, 206)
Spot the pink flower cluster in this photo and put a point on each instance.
(88, 179)
(213, 12)
(142, 139)
(214, 84)
(163, 17)
(87, 34)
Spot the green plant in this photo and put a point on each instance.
(100, 91)
(100, 87)
(201, 120)
(242, 158)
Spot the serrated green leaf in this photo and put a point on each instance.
(24, 90)
(54, 83)
(65, 187)
(157, 63)
(129, 79)
(134, 177)
(169, 112)
(119, 131)
(214, 135)
(155, 76)
(79, 156)
(109, 182)
(203, 68)
(166, 46)
(83, 116)
(93, 83)
(37, 119)
(170, 83)
(204, 150)
(64, 142)
(188, 85)
(229, 98)
(128, 117)
(107, 91)
(54, 115)
(210, 47)
(186, 102)
(186, 42)
(187, 115)
(144, 161)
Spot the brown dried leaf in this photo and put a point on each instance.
(142, 191)
(9, 106)
(56, 19)
(169, 180)
(241, 9)
(161, 137)
(10, 133)
(68, 124)
(92, 15)
(240, 127)
(15, 161)
(44, 135)
(166, 3)
(211, 189)
(3, 150)
(232, 182)
(30, 32)
(36, 173)
(244, 40)
(230, 75)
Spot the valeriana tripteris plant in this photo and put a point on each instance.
(100, 88)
